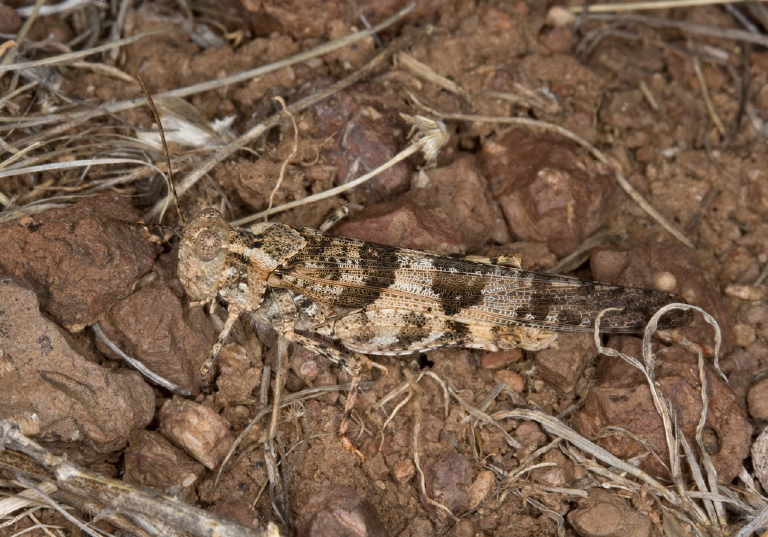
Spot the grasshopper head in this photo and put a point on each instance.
(203, 255)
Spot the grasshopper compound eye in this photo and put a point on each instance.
(207, 244)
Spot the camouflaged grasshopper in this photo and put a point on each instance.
(334, 295)
(377, 299)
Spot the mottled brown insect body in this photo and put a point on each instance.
(377, 299)
(333, 295)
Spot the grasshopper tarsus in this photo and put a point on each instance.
(346, 415)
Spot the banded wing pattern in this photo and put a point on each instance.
(352, 274)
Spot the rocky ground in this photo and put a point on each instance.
(456, 442)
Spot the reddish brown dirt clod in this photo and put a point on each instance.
(56, 394)
(339, 510)
(238, 377)
(500, 360)
(757, 399)
(10, 21)
(154, 326)
(152, 461)
(606, 515)
(481, 487)
(513, 381)
(197, 429)
(547, 189)
(563, 363)
(366, 136)
(450, 211)
(80, 260)
(447, 479)
(559, 474)
(406, 224)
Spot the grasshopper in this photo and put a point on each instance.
(377, 299)
(344, 298)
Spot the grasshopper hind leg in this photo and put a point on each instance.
(395, 332)
(504, 260)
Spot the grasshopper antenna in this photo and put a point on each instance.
(143, 224)
(171, 185)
